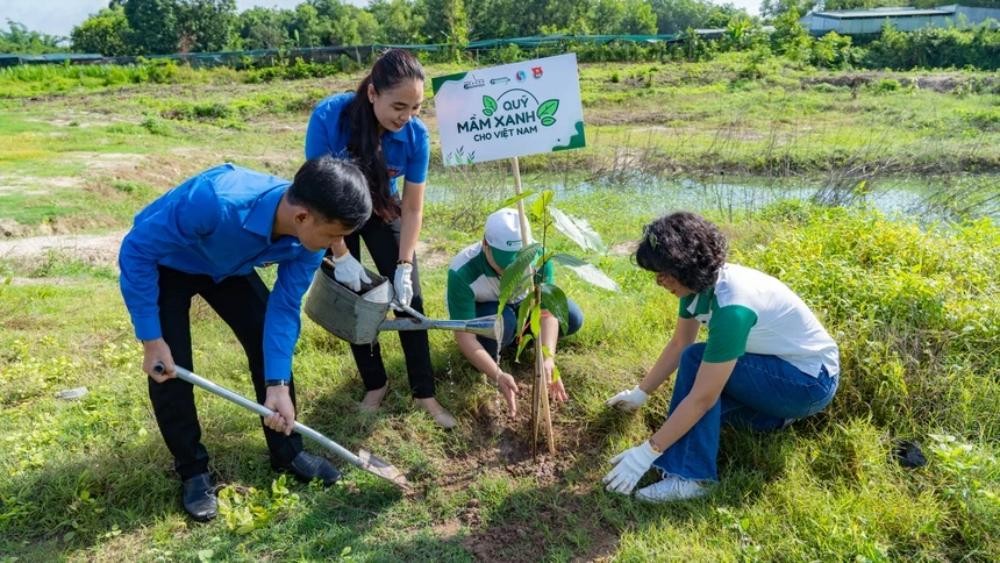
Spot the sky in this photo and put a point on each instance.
(58, 17)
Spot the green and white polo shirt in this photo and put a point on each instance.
(748, 311)
(471, 280)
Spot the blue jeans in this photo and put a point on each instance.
(510, 331)
(762, 393)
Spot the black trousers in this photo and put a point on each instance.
(382, 241)
(241, 302)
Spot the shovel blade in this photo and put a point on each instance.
(381, 468)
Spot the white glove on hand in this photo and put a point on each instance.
(403, 284)
(349, 272)
(630, 466)
(629, 400)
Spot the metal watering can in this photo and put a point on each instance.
(359, 317)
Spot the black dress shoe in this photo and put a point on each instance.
(306, 467)
(198, 499)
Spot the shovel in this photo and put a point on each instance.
(363, 460)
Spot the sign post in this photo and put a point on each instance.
(508, 111)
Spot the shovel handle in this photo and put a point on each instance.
(260, 409)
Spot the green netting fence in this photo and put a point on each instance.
(358, 53)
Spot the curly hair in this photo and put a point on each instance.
(684, 246)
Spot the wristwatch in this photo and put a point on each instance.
(278, 383)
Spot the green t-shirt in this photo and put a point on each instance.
(471, 280)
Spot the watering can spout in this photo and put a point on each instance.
(483, 326)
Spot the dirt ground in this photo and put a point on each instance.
(502, 443)
(94, 250)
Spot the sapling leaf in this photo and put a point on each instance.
(554, 301)
(536, 319)
(523, 310)
(525, 340)
(537, 210)
(516, 276)
(547, 353)
(568, 259)
(578, 230)
(512, 200)
(590, 274)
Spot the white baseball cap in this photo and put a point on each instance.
(503, 235)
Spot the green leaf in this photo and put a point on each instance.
(590, 274)
(578, 230)
(525, 340)
(555, 369)
(515, 277)
(554, 301)
(568, 259)
(539, 206)
(547, 108)
(509, 202)
(489, 106)
(547, 120)
(536, 320)
(523, 310)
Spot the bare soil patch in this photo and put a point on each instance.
(503, 443)
(96, 250)
(942, 83)
(35, 185)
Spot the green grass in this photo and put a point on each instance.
(911, 308)
(914, 308)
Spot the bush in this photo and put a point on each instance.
(978, 47)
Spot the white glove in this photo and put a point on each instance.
(629, 467)
(403, 284)
(349, 272)
(629, 400)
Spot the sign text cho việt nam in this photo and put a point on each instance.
(511, 110)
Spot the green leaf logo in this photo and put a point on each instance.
(546, 110)
(490, 106)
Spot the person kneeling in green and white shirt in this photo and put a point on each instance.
(767, 361)
(474, 291)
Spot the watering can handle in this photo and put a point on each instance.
(409, 311)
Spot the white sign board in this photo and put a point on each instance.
(511, 110)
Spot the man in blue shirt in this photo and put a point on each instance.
(205, 237)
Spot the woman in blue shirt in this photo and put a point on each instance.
(377, 126)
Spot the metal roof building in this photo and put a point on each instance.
(860, 22)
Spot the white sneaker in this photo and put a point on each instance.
(671, 489)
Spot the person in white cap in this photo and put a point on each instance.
(474, 291)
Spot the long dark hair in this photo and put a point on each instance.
(364, 142)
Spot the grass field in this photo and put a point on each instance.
(913, 305)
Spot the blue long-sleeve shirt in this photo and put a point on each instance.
(406, 152)
(219, 223)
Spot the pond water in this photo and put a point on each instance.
(925, 200)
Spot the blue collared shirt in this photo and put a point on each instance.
(407, 151)
(219, 223)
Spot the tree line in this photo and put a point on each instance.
(146, 27)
